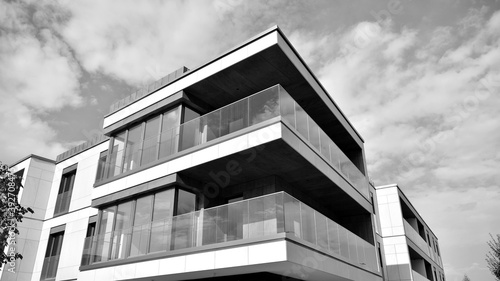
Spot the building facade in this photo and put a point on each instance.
(410, 248)
(241, 169)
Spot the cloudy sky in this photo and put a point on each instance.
(419, 79)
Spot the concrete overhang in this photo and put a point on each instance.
(263, 61)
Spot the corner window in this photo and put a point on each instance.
(52, 254)
(151, 223)
(65, 191)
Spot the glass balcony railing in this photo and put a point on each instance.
(257, 108)
(246, 219)
(416, 238)
(418, 277)
(62, 203)
(49, 269)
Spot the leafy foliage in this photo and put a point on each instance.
(466, 278)
(493, 256)
(11, 213)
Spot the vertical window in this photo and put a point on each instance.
(150, 147)
(87, 246)
(169, 136)
(132, 148)
(115, 167)
(162, 220)
(122, 231)
(65, 190)
(104, 237)
(142, 220)
(101, 165)
(51, 261)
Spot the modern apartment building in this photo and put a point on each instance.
(410, 248)
(241, 169)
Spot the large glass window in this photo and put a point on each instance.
(51, 261)
(156, 222)
(64, 193)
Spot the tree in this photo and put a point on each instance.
(466, 278)
(11, 213)
(493, 256)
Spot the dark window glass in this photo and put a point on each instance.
(104, 237)
(64, 193)
(51, 261)
(101, 166)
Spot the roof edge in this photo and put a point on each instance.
(32, 156)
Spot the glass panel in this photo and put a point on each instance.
(222, 224)
(234, 117)
(292, 215)
(189, 114)
(333, 237)
(353, 253)
(121, 233)
(190, 134)
(301, 121)
(210, 126)
(256, 217)
(186, 202)
(170, 132)
(270, 221)
(344, 243)
(287, 107)
(237, 216)
(104, 238)
(313, 133)
(117, 154)
(182, 233)
(132, 148)
(325, 147)
(361, 250)
(142, 219)
(162, 216)
(308, 227)
(209, 226)
(264, 105)
(321, 231)
(150, 145)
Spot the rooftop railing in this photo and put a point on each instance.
(265, 105)
(252, 218)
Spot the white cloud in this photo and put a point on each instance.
(37, 75)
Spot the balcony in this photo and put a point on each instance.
(245, 220)
(271, 103)
(413, 235)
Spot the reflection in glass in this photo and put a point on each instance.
(162, 217)
(117, 154)
(121, 237)
(150, 140)
(264, 105)
(140, 232)
(132, 148)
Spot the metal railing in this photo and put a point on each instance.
(246, 219)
